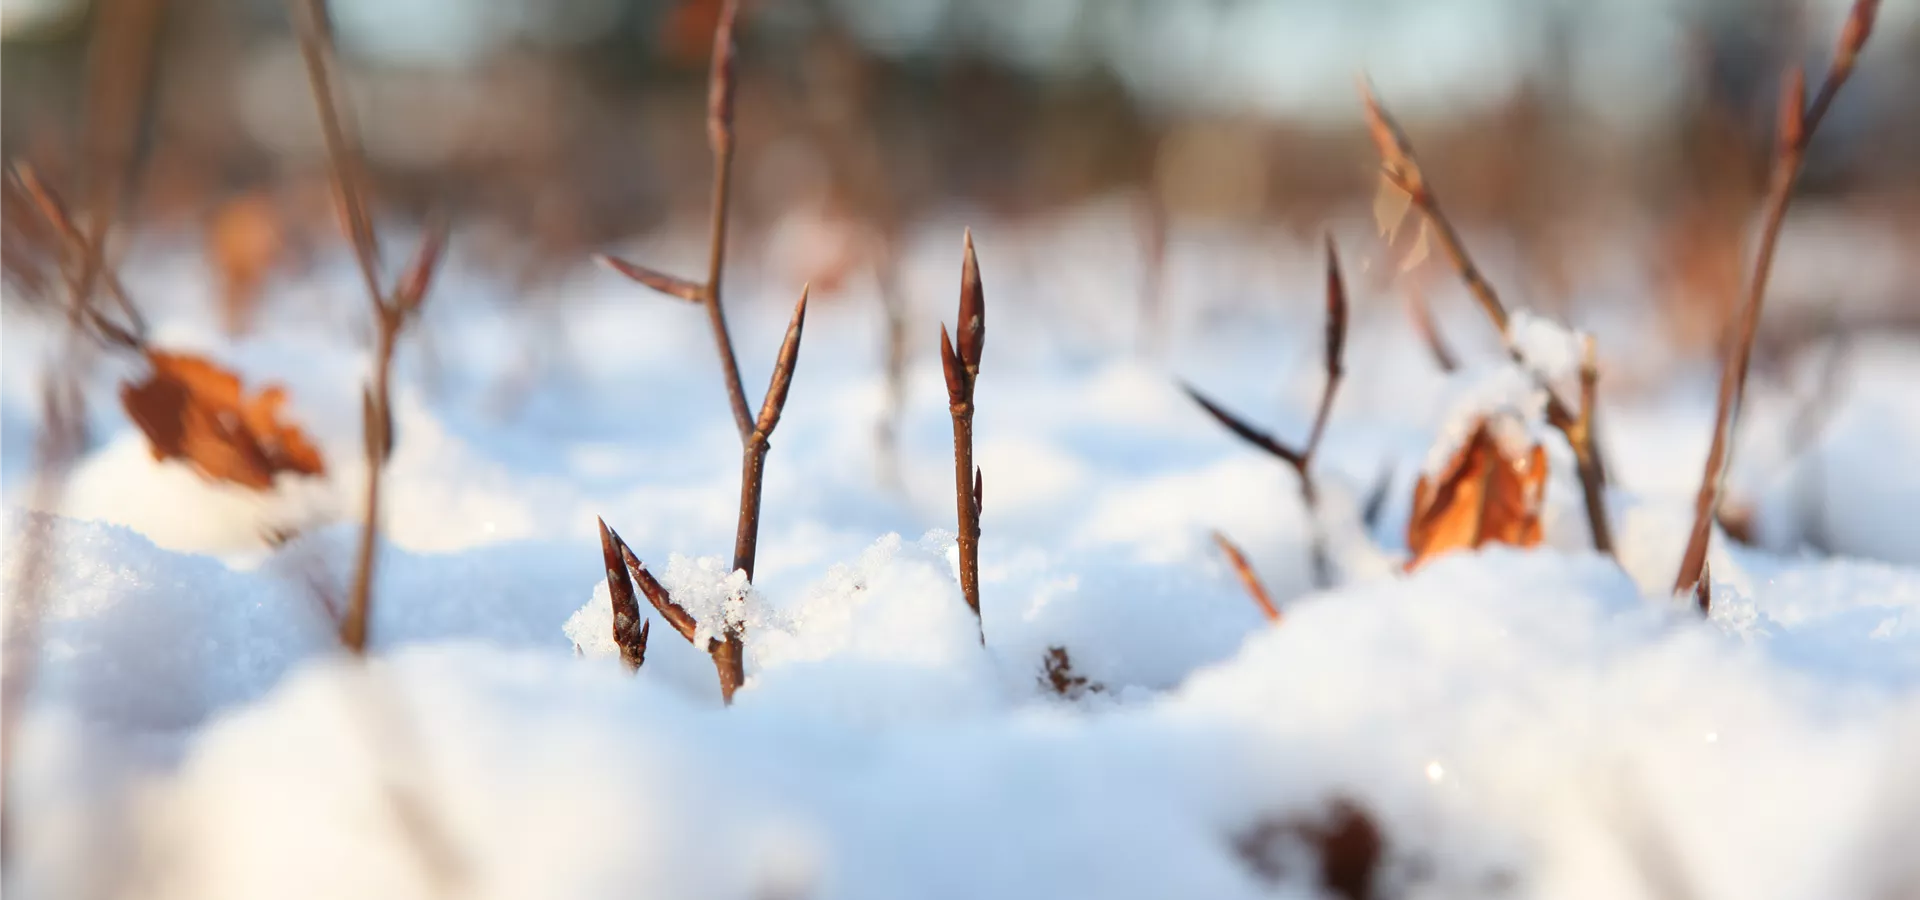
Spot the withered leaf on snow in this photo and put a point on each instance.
(193, 410)
(1485, 494)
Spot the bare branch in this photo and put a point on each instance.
(343, 152)
(76, 250)
(961, 364)
(1796, 129)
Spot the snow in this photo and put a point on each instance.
(1543, 723)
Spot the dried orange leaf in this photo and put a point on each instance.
(1485, 494)
(193, 410)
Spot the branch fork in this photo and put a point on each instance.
(755, 432)
(1301, 460)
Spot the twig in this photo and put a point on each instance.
(729, 652)
(961, 364)
(120, 56)
(119, 63)
(75, 251)
(1248, 579)
(1400, 168)
(391, 309)
(1796, 128)
(1302, 460)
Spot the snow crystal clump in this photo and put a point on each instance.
(1547, 349)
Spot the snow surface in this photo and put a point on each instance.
(1542, 723)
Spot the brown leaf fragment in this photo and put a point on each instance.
(1483, 495)
(193, 410)
(1060, 678)
(1345, 843)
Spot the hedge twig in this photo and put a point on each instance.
(728, 650)
(960, 361)
(1796, 128)
(392, 308)
(1302, 460)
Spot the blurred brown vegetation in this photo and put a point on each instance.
(543, 150)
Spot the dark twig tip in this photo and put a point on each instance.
(972, 325)
(1336, 312)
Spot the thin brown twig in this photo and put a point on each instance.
(119, 63)
(1248, 578)
(1400, 168)
(120, 56)
(1796, 129)
(75, 250)
(1302, 460)
(392, 309)
(960, 362)
(729, 651)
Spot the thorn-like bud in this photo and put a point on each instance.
(1396, 152)
(1793, 110)
(659, 281)
(412, 287)
(776, 399)
(626, 609)
(950, 365)
(1336, 314)
(972, 326)
(720, 78)
(979, 491)
(1853, 36)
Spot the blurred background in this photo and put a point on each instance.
(550, 128)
